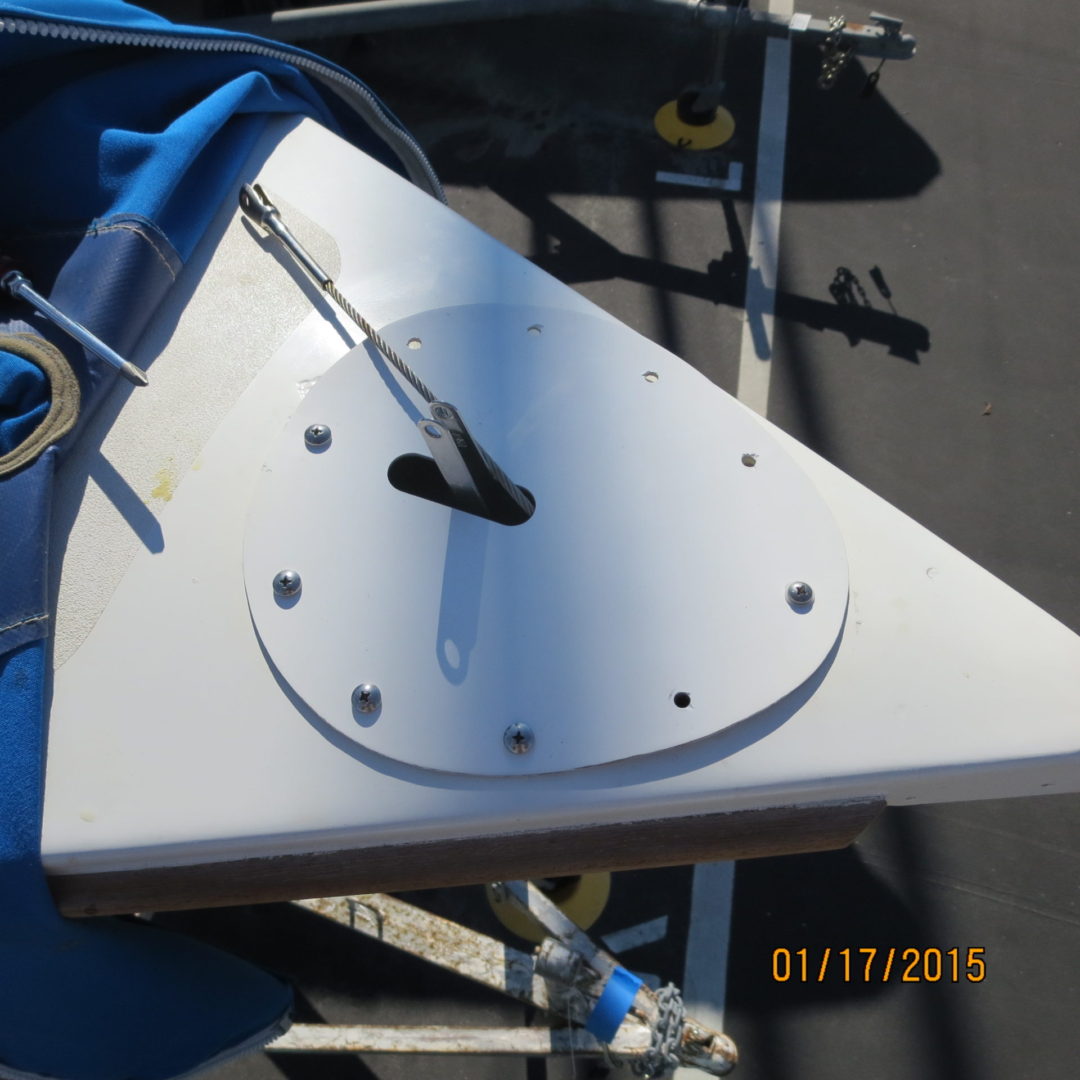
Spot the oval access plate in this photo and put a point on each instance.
(642, 606)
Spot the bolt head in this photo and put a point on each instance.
(286, 583)
(800, 594)
(518, 738)
(367, 698)
(11, 281)
(317, 435)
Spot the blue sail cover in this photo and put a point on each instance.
(121, 134)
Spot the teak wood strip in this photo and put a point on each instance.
(741, 834)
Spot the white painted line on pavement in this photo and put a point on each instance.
(733, 182)
(705, 973)
(704, 985)
(755, 352)
(619, 941)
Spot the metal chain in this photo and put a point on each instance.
(662, 1056)
(835, 55)
(844, 287)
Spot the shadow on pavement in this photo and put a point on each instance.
(806, 905)
(530, 110)
(845, 147)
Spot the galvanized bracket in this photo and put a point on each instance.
(564, 977)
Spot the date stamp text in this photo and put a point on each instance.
(879, 965)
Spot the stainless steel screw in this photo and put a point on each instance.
(286, 583)
(441, 412)
(317, 435)
(367, 698)
(800, 594)
(518, 738)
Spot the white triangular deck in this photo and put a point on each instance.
(179, 734)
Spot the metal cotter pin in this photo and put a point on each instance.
(17, 285)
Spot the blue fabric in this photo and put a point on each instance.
(102, 999)
(92, 132)
(613, 1004)
(109, 152)
(115, 159)
(24, 400)
(104, 13)
(24, 528)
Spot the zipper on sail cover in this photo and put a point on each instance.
(341, 82)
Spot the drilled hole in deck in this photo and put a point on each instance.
(650, 376)
(536, 330)
(414, 343)
(749, 460)
(681, 699)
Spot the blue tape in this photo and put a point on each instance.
(613, 1004)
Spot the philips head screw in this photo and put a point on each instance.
(518, 738)
(316, 436)
(800, 594)
(367, 698)
(286, 583)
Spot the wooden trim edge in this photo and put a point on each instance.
(636, 845)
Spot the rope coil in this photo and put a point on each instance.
(63, 404)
